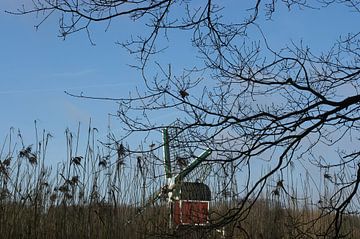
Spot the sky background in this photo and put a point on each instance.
(36, 66)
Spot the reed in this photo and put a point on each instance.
(101, 191)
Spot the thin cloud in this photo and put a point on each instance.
(76, 113)
(60, 89)
(11, 5)
(74, 73)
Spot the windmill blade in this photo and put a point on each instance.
(192, 165)
(167, 161)
(150, 201)
(164, 190)
(156, 196)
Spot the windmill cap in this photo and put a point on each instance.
(193, 191)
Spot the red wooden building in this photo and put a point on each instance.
(191, 204)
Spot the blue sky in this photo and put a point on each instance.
(36, 67)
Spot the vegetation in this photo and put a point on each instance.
(100, 195)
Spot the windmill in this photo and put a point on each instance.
(188, 202)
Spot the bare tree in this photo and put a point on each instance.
(253, 106)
